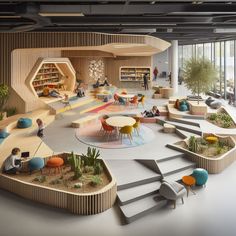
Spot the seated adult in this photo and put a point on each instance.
(51, 92)
(13, 162)
(152, 113)
(97, 84)
(80, 90)
(105, 83)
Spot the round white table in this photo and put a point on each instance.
(120, 121)
(126, 96)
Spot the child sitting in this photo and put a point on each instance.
(152, 113)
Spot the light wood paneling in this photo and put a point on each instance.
(85, 53)
(113, 65)
(15, 65)
(77, 203)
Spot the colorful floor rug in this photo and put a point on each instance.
(91, 135)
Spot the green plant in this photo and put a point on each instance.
(90, 159)
(40, 178)
(193, 144)
(95, 180)
(77, 173)
(78, 185)
(4, 93)
(74, 161)
(226, 124)
(199, 75)
(98, 169)
(88, 169)
(56, 181)
(213, 116)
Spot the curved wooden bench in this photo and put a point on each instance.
(84, 121)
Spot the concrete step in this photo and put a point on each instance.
(178, 176)
(142, 207)
(169, 157)
(185, 134)
(174, 165)
(130, 173)
(185, 127)
(185, 121)
(132, 194)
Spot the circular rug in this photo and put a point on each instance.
(93, 136)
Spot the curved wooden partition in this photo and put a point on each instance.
(77, 203)
(212, 165)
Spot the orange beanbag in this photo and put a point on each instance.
(55, 162)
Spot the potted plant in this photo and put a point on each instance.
(199, 76)
(4, 92)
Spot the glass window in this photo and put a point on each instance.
(222, 69)
(180, 61)
(207, 51)
(199, 50)
(229, 67)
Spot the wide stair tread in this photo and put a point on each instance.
(174, 165)
(130, 173)
(142, 207)
(178, 175)
(189, 128)
(135, 193)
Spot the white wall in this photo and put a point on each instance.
(161, 60)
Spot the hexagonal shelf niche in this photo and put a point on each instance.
(55, 73)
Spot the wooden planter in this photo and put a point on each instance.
(77, 203)
(212, 165)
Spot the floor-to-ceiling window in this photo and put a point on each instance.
(222, 55)
(229, 66)
(207, 51)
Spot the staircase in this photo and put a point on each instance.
(139, 181)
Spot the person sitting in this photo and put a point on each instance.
(54, 93)
(97, 84)
(152, 113)
(40, 128)
(13, 162)
(105, 82)
(79, 90)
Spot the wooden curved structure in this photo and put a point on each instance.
(213, 165)
(77, 203)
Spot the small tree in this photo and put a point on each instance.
(199, 75)
(4, 92)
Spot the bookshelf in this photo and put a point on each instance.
(134, 73)
(48, 75)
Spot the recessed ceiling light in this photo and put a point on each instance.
(152, 2)
(61, 14)
(197, 2)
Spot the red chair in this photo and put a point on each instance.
(107, 129)
(134, 101)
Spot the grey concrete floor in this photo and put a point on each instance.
(210, 212)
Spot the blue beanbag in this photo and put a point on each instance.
(201, 176)
(36, 163)
(183, 107)
(3, 133)
(24, 123)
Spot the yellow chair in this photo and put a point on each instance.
(141, 100)
(126, 130)
(136, 126)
